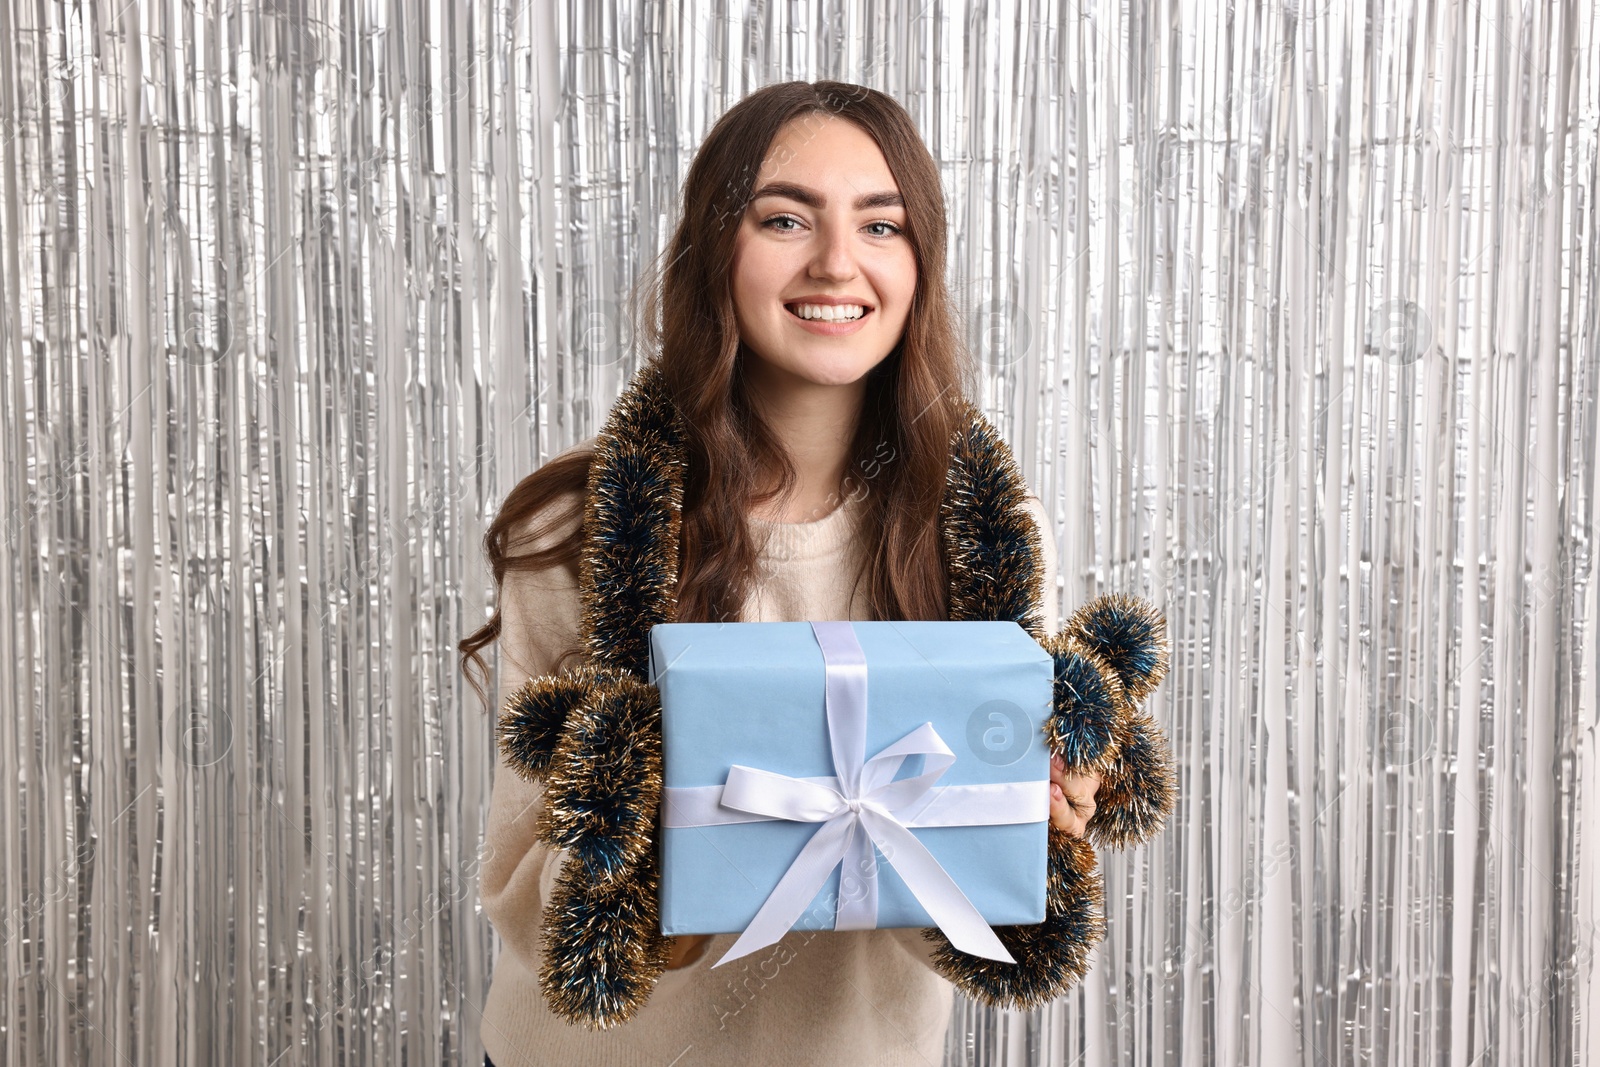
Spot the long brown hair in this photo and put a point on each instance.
(900, 449)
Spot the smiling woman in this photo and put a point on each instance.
(816, 258)
(812, 368)
(822, 281)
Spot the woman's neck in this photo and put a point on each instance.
(815, 424)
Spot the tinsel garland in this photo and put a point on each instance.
(592, 733)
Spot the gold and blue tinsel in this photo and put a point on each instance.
(1052, 956)
(603, 787)
(593, 734)
(1089, 698)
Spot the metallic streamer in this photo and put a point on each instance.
(1288, 310)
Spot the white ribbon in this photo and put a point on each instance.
(858, 808)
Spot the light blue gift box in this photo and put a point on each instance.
(754, 694)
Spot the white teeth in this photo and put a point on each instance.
(829, 312)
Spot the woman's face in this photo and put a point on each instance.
(825, 228)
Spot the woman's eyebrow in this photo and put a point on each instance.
(811, 198)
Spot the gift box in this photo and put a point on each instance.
(852, 775)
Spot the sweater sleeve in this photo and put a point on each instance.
(1052, 563)
(540, 617)
(911, 939)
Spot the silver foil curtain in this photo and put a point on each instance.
(1289, 310)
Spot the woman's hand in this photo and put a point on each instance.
(686, 948)
(1071, 797)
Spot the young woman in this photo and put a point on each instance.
(805, 335)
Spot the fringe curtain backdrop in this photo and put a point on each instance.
(1288, 309)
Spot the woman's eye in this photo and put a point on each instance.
(775, 223)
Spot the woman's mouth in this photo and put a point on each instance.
(828, 319)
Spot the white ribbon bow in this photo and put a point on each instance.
(861, 807)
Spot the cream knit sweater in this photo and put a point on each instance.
(863, 997)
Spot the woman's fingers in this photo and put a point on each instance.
(1071, 797)
(686, 949)
(1062, 816)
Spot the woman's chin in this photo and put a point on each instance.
(824, 368)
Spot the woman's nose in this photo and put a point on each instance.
(835, 257)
